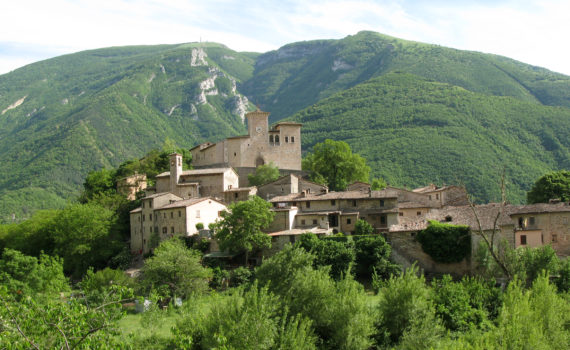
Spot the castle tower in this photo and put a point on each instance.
(175, 170)
(257, 124)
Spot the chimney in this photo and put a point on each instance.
(175, 170)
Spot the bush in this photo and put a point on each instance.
(338, 255)
(445, 243)
(199, 226)
(373, 255)
(362, 227)
(406, 311)
(175, 270)
(239, 276)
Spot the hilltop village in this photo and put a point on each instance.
(184, 202)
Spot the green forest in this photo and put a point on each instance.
(419, 113)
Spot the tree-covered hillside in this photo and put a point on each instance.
(414, 131)
(300, 74)
(63, 117)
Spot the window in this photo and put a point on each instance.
(308, 204)
(276, 139)
(354, 202)
(303, 222)
(235, 154)
(383, 220)
(179, 213)
(172, 229)
(236, 195)
(164, 215)
(286, 139)
(294, 204)
(270, 138)
(554, 238)
(429, 197)
(419, 213)
(437, 196)
(348, 221)
(523, 239)
(401, 214)
(381, 202)
(164, 230)
(314, 221)
(448, 218)
(150, 204)
(531, 220)
(149, 217)
(333, 202)
(171, 214)
(292, 139)
(521, 222)
(220, 213)
(197, 213)
(292, 239)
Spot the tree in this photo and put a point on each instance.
(240, 227)
(333, 163)
(263, 174)
(175, 270)
(555, 185)
(378, 184)
(362, 227)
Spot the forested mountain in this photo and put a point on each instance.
(300, 74)
(66, 116)
(414, 131)
(419, 113)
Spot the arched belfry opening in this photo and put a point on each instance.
(259, 161)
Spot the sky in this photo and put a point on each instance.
(536, 32)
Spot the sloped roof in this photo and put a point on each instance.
(462, 215)
(540, 208)
(206, 171)
(137, 210)
(187, 203)
(382, 194)
(160, 194)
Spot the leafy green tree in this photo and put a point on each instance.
(378, 184)
(362, 227)
(373, 257)
(405, 311)
(174, 270)
(339, 256)
(26, 275)
(555, 185)
(334, 164)
(98, 183)
(239, 230)
(263, 174)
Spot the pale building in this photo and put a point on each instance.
(166, 215)
(129, 186)
(288, 184)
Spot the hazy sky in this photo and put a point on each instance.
(532, 31)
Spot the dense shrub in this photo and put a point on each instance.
(373, 256)
(445, 243)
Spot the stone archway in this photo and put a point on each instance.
(259, 161)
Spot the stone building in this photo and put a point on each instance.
(195, 183)
(166, 215)
(289, 184)
(335, 211)
(280, 145)
(540, 224)
(129, 186)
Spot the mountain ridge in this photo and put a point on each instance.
(97, 108)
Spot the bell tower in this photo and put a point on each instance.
(258, 125)
(175, 170)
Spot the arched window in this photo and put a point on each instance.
(270, 138)
(276, 139)
(259, 161)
